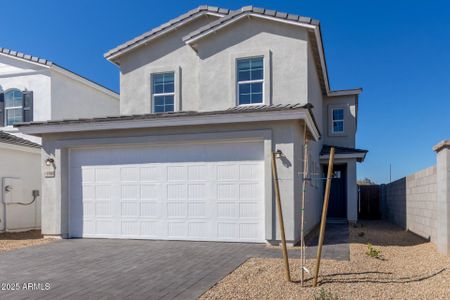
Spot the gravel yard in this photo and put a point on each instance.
(15, 240)
(409, 268)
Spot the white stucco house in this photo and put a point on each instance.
(36, 89)
(204, 101)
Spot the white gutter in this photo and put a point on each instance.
(193, 120)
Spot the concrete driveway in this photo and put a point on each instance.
(133, 269)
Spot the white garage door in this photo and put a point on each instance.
(211, 192)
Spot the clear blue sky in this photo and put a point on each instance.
(397, 51)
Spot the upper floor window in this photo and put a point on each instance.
(337, 120)
(163, 93)
(250, 80)
(16, 106)
(13, 107)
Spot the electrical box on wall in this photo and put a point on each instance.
(12, 190)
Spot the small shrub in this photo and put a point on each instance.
(324, 295)
(373, 252)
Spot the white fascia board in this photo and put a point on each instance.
(12, 147)
(213, 119)
(322, 58)
(160, 33)
(345, 92)
(84, 81)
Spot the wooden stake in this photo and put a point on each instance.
(302, 224)
(323, 222)
(280, 216)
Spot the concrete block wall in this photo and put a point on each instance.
(411, 202)
(420, 202)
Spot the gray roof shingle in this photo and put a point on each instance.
(21, 55)
(233, 110)
(248, 10)
(14, 140)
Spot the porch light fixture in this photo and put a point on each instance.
(49, 162)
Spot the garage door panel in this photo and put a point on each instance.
(130, 209)
(151, 209)
(152, 174)
(210, 193)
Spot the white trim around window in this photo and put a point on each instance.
(149, 96)
(266, 80)
(337, 119)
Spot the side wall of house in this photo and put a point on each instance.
(24, 165)
(411, 202)
(73, 99)
(314, 189)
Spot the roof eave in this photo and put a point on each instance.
(217, 119)
(360, 157)
(348, 92)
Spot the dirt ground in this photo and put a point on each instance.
(15, 240)
(408, 268)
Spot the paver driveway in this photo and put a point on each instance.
(124, 269)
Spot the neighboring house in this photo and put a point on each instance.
(204, 100)
(35, 89)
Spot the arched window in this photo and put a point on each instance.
(13, 107)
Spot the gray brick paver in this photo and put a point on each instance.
(136, 269)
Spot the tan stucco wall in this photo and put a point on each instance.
(347, 138)
(207, 76)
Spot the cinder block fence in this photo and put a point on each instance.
(420, 202)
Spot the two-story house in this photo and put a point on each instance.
(205, 99)
(35, 89)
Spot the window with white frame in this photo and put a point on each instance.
(250, 80)
(337, 115)
(163, 92)
(13, 107)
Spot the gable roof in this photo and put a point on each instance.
(243, 12)
(311, 25)
(49, 64)
(166, 27)
(17, 141)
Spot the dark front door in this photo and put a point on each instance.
(337, 206)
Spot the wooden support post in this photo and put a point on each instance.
(302, 213)
(280, 216)
(323, 222)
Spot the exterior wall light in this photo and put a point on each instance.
(49, 162)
